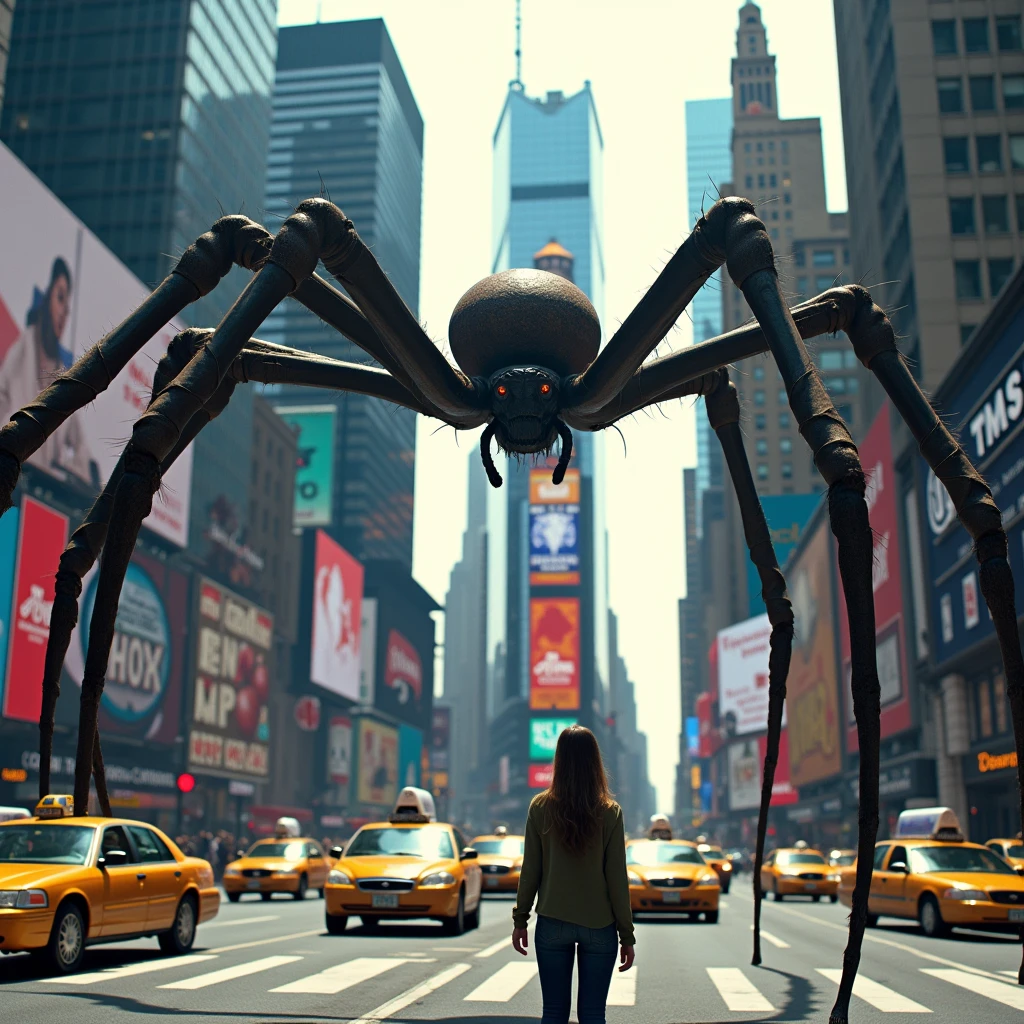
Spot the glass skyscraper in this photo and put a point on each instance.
(346, 125)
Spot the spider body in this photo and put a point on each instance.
(530, 365)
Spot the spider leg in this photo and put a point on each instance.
(723, 409)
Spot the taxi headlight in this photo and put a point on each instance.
(634, 878)
(966, 895)
(727, 866)
(711, 879)
(285, 873)
(338, 877)
(788, 874)
(437, 879)
(23, 899)
(833, 878)
(232, 871)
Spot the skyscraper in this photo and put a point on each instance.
(6, 16)
(346, 124)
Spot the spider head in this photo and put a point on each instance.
(524, 401)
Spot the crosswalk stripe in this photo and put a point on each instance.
(773, 939)
(130, 970)
(879, 996)
(413, 995)
(230, 973)
(1000, 991)
(501, 986)
(342, 976)
(737, 991)
(496, 948)
(1009, 974)
(623, 988)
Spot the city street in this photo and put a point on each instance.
(274, 962)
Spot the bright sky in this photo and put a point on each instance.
(644, 60)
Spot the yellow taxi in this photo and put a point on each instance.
(410, 866)
(719, 862)
(928, 872)
(799, 871)
(500, 857)
(288, 863)
(842, 858)
(1011, 850)
(69, 882)
(671, 876)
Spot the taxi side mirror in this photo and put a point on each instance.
(239, 854)
(469, 854)
(112, 859)
(899, 865)
(336, 852)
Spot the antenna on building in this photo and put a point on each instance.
(517, 82)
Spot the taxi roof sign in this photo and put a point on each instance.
(929, 823)
(660, 827)
(55, 805)
(287, 828)
(413, 805)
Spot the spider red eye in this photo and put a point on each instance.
(545, 388)
(502, 390)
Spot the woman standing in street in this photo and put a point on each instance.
(574, 863)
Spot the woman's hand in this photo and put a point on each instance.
(521, 939)
(626, 958)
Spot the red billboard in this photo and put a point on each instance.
(555, 653)
(541, 775)
(705, 725)
(42, 536)
(335, 658)
(876, 457)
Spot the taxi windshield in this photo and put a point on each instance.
(650, 854)
(290, 851)
(712, 851)
(925, 859)
(45, 844)
(1017, 850)
(429, 843)
(844, 860)
(500, 847)
(801, 858)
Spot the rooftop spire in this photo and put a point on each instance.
(517, 82)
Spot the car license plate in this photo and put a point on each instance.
(810, 886)
(671, 897)
(1017, 915)
(254, 884)
(384, 900)
(492, 883)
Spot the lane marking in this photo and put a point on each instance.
(623, 988)
(723, 904)
(495, 948)
(1010, 974)
(130, 970)
(342, 976)
(412, 995)
(1000, 991)
(773, 939)
(242, 920)
(266, 942)
(737, 991)
(501, 986)
(881, 997)
(453, 949)
(230, 973)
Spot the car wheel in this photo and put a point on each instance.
(816, 898)
(457, 925)
(473, 919)
(725, 888)
(300, 892)
(930, 918)
(336, 923)
(833, 898)
(776, 895)
(66, 948)
(872, 921)
(183, 932)
(370, 923)
(234, 896)
(320, 892)
(711, 916)
(265, 896)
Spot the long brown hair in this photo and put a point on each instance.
(578, 795)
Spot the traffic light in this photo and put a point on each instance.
(186, 782)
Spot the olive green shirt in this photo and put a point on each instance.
(589, 889)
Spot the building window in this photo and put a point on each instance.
(976, 35)
(772, 180)
(786, 445)
(800, 257)
(956, 153)
(961, 215)
(758, 373)
(968, 279)
(784, 420)
(786, 197)
(852, 385)
(999, 272)
(750, 181)
(801, 281)
(849, 358)
(951, 96)
(966, 330)
(836, 385)
(788, 215)
(990, 153)
(746, 145)
(831, 359)
(762, 471)
(944, 37)
(983, 93)
(1013, 92)
(1008, 36)
(762, 446)
(985, 708)
(1017, 152)
(1000, 701)
(823, 258)
(822, 283)
(760, 421)
(759, 396)
(760, 181)
(787, 470)
(1020, 212)
(783, 397)
(995, 214)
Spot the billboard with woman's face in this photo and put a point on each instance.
(335, 658)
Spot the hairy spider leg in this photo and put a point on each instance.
(723, 410)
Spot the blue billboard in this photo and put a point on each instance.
(983, 404)
(787, 515)
(693, 736)
(410, 755)
(8, 549)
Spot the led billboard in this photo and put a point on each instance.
(335, 661)
(555, 654)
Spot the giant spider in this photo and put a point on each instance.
(527, 345)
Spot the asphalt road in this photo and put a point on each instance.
(273, 963)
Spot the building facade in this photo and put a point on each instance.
(346, 125)
(6, 17)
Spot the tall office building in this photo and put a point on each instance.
(149, 121)
(346, 124)
(6, 17)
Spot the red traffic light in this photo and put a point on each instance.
(186, 782)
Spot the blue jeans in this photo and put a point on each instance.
(558, 944)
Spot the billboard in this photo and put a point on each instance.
(746, 772)
(743, 651)
(377, 772)
(403, 670)
(368, 651)
(540, 776)
(146, 669)
(8, 557)
(692, 736)
(555, 653)
(230, 730)
(410, 755)
(554, 529)
(812, 699)
(42, 535)
(787, 515)
(886, 583)
(339, 750)
(440, 738)
(61, 290)
(544, 733)
(705, 725)
(314, 465)
(335, 660)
